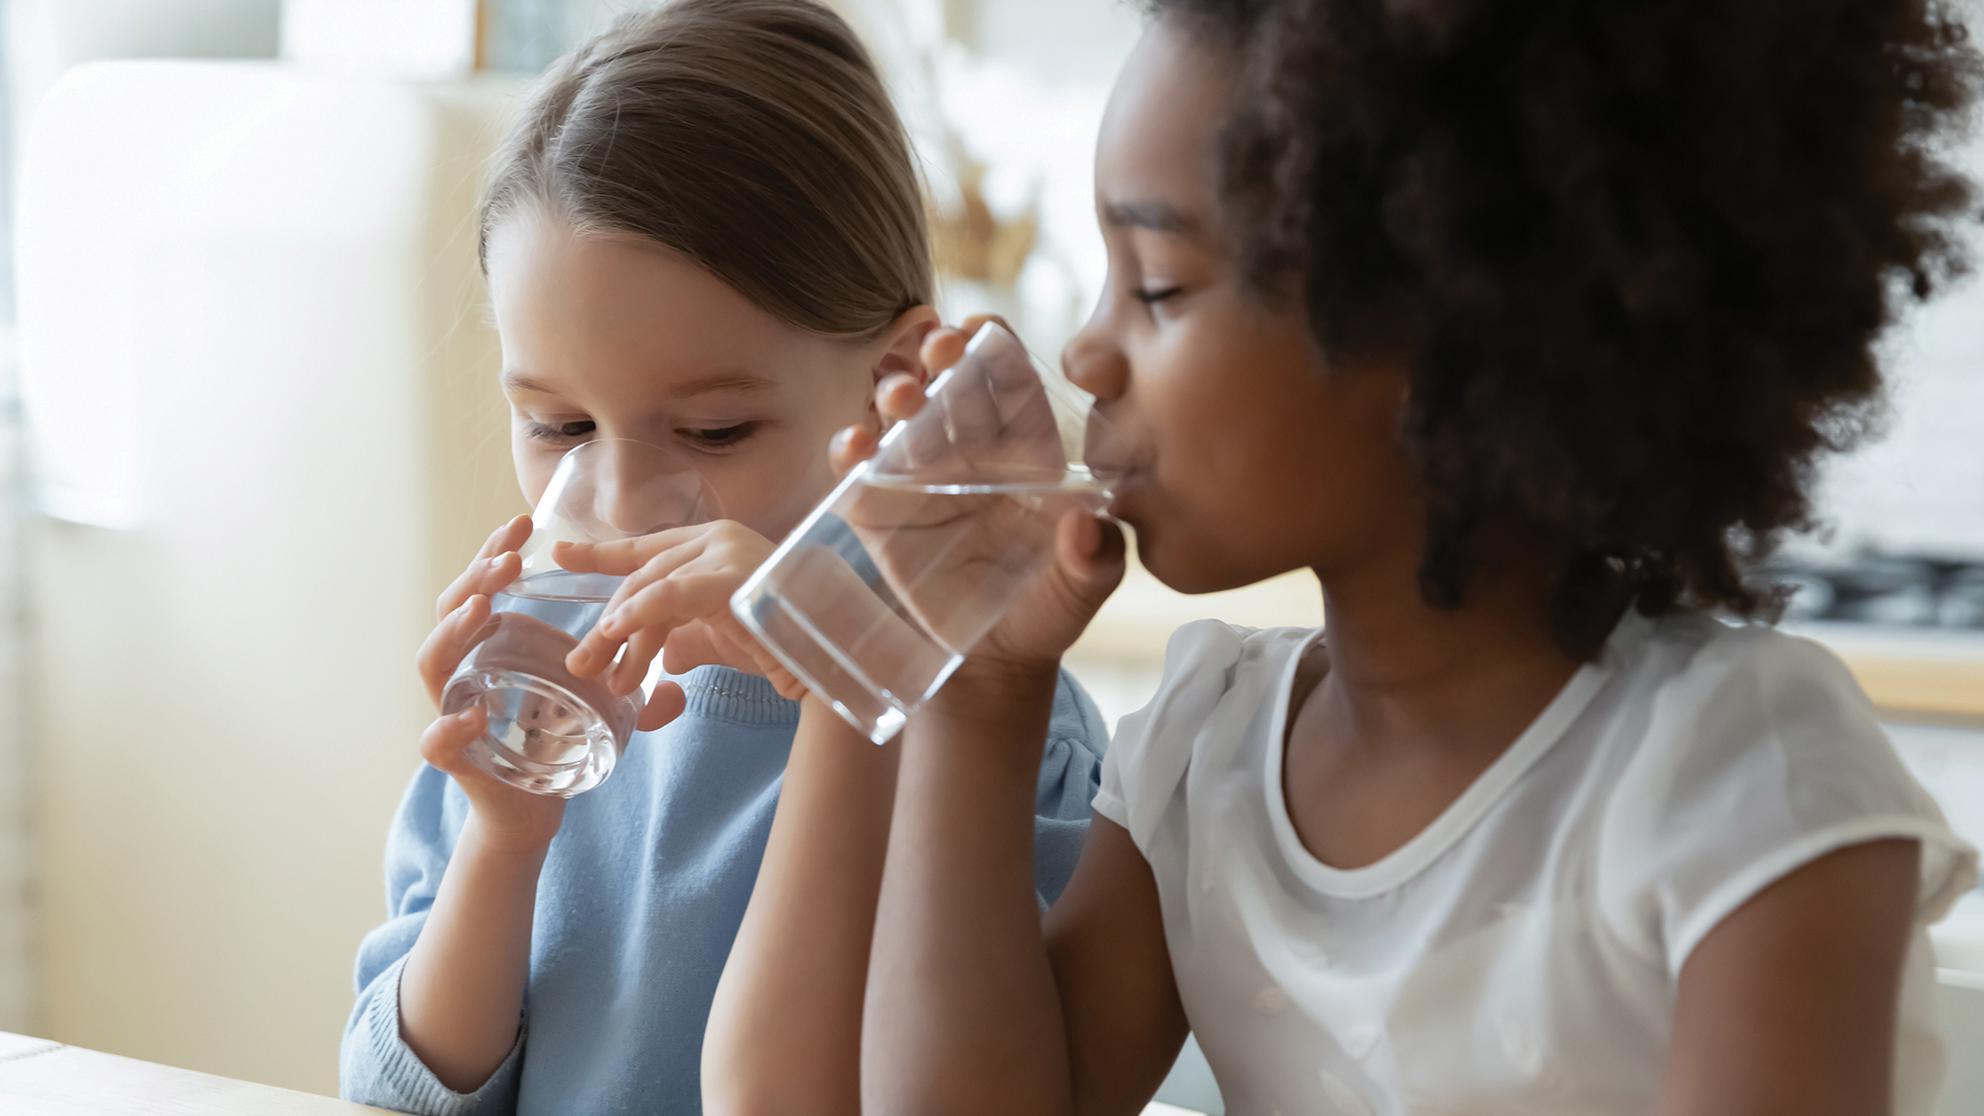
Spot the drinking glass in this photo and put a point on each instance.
(883, 590)
(550, 732)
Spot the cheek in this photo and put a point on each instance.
(534, 467)
(1211, 400)
(771, 487)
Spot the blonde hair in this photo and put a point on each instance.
(754, 137)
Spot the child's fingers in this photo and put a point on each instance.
(641, 649)
(661, 566)
(851, 447)
(509, 536)
(1090, 554)
(598, 644)
(487, 575)
(690, 646)
(976, 322)
(442, 651)
(664, 705)
(445, 743)
(494, 567)
(719, 641)
(898, 397)
(943, 348)
(665, 604)
(621, 557)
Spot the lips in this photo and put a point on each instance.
(1123, 486)
(1108, 455)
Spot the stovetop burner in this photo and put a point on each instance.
(1911, 591)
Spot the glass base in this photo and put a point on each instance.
(542, 737)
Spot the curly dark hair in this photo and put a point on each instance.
(1639, 253)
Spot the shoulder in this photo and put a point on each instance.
(1703, 701)
(1209, 661)
(1217, 681)
(1749, 679)
(1202, 662)
(1745, 753)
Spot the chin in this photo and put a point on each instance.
(1194, 560)
(1178, 568)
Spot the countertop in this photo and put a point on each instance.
(1911, 674)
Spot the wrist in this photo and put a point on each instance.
(996, 703)
(526, 846)
(989, 687)
(820, 723)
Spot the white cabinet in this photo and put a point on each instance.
(261, 286)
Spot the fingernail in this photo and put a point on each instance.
(496, 563)
(468, 716)
(579, 659)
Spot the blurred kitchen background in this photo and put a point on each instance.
(241, 305)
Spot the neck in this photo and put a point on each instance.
(1399, 666)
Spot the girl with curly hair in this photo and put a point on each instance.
(1522, 324)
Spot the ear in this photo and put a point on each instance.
(902, 344)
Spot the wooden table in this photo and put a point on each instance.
(43, 1078)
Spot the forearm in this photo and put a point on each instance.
(785, 1030)
(462, 990)
(963, 1014)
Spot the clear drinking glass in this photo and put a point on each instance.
(550, 732)
(877, 597)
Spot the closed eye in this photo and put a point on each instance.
(560, 432)
(720, 437)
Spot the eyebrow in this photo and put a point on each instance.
(517, 380)
(743, 383)
(1153, 215)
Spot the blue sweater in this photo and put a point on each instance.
(639, 902)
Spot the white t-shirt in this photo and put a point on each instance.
(1520, 955)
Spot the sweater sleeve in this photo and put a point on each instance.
(375, 1065)
(1070, 771)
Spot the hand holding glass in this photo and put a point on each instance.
(550, 732)
(878, 596)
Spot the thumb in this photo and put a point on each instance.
(1090, 557)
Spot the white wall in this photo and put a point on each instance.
(1920, 485)
(17, 898)
(222, 699)
(42, 38)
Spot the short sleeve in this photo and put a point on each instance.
(1761, 755)
(1152, 749)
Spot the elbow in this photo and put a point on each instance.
(744, 1086)
(733, 1097)
(908, 1096)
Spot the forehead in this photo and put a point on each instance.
(610, 316)
(1158, 137)
(544, 275)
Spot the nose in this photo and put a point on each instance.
(1094, 363)
(637, 488)
(623, 483)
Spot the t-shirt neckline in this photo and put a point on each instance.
(1411, 858)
